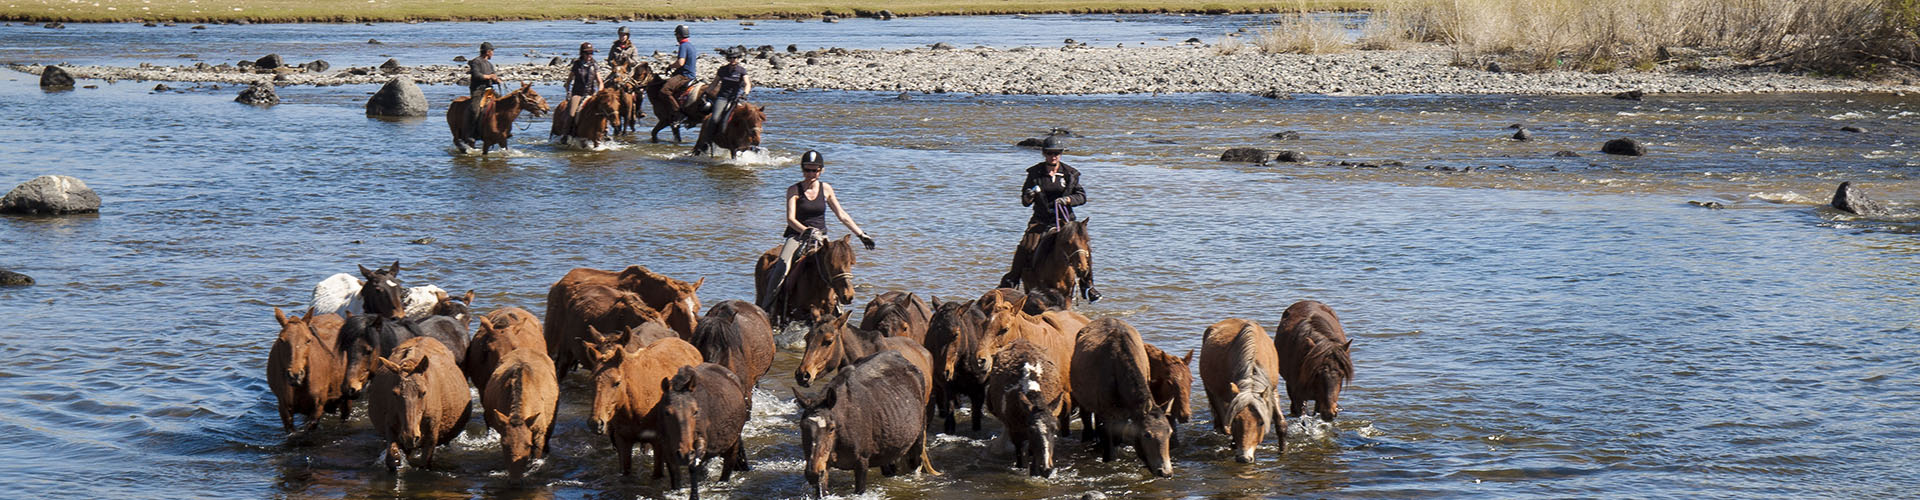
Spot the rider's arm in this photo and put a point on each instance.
(746, 84)
(1026, 191)
(793, 200)
(834, 201)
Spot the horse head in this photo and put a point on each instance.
(297, 334)
(526, 98)
(836, 268)
(382, 294)
(1073, 242)
(746, 123)
(823, 349)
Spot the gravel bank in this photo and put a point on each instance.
(1083, 70)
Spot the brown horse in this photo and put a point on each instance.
(1062, 258)
(628, 80)
(1172, 382)
(898, 314)
(591, 121)
(1315, 357)
(496, 124)
(832, 345)
(666, 108)
(1007, 323)
(1241, 373)
(817, 284)
(742, 130)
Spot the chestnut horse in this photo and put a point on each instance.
(1241, 374)
(742, 130)
(496, 124)
(628, 80)
(1062, 258)
(1315, 357)
(817, 283)
(590, 122)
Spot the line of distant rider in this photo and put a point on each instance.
(600, 105)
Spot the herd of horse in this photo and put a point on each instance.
(681, 382)
(613, 111)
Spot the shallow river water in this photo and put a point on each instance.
(1524, 325)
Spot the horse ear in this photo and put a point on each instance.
(697, 283)
(1189, 359)
(840, 320)
(498, 417)
(1020, 304)
(801, 399)
(395, 270)
(1347, 346)
(280, 316)
(595, 335)
(1233, 388)
(368, 273)
(387, 366)
(419, 365)
(468, 298)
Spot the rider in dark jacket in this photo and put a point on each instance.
(480, 77)
(734, 85)
(1052, 188)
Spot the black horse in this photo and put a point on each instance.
(385, 325)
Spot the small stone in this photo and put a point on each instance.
(1522, 134)
(1290, 157)
(1566, 154)
(427, 240)
(459, 58)
(1850, 199)
(1030, 142)
(1631, 95)
(1853, 129)
(1707, 204)
(557, 61)
(1287, 136)
(1192, 40)
(50, 195)
(161, 88)
(885, 15)
(829, 19)
(1275, 94)
(198, 27)
(259, 94)
(318, 66)
(371, 41)
(1245, 155)
(904, 97)
(812, 61)
(271, 61)
(1624, 147)
(10, 278)
(1494, 67)
(392, 66)
(793, 49)
(942, 46)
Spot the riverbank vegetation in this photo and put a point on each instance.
(1833, 37)
(490, 10)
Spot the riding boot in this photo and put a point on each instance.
(770, 291)
(1022, 258)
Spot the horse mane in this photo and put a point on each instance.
(1326, 354)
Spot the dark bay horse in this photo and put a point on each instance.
(374, 335)
(1315, 357)
(816, 286)
(666, 109)
(496, 125)
(588, 125)
(1061, 259)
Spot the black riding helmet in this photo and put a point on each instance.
(680, 31)
(486, 47)
(623, 30)
(812, 158)
(1053, 144)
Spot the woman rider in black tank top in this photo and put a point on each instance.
(806, 214)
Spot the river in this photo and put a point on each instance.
(1525, 325)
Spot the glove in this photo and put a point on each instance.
(864, 240)
(813, 234)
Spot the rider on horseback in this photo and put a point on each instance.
(622, 53)
(807, 203)
(480, 77)
(583, 80)
(685, 61)
(734, 85)
(1052, 188)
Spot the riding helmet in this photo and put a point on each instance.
(486, 46)
(586, 47)
(623, 30)
(1053, 144)
(812, 158)
(680, 31)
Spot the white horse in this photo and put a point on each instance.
(341, 292)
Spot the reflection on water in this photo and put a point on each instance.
(1530, 326)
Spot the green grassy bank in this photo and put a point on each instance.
(486, 10)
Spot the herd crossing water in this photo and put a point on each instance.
(1524, 325)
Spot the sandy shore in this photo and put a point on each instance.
(1083, 70)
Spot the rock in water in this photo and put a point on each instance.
(319, 66)
(1245, 155)
(1030, 142)
(1290, 157)
(1624, 146)
(399, 97)
(10, 278)
(51, 195)
(259, 94)
(1854, 201)
(392, 66)
(271, 61)
(1631, 95)
(1853, 129)
(54, 78)
(1287, 136)
(1566, 154)
(1522, 134)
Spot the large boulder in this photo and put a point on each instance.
(259, 94)
(10, 278)
(399, 97)
(270, 61)
(1852, 200)
(319, 66)
(1624, 146)
(1245, 155)
(54, 78)
(51, 195)
(392, 66)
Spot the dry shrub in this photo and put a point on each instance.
(1303, 33)
(1830, 36)
(1228, 45)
